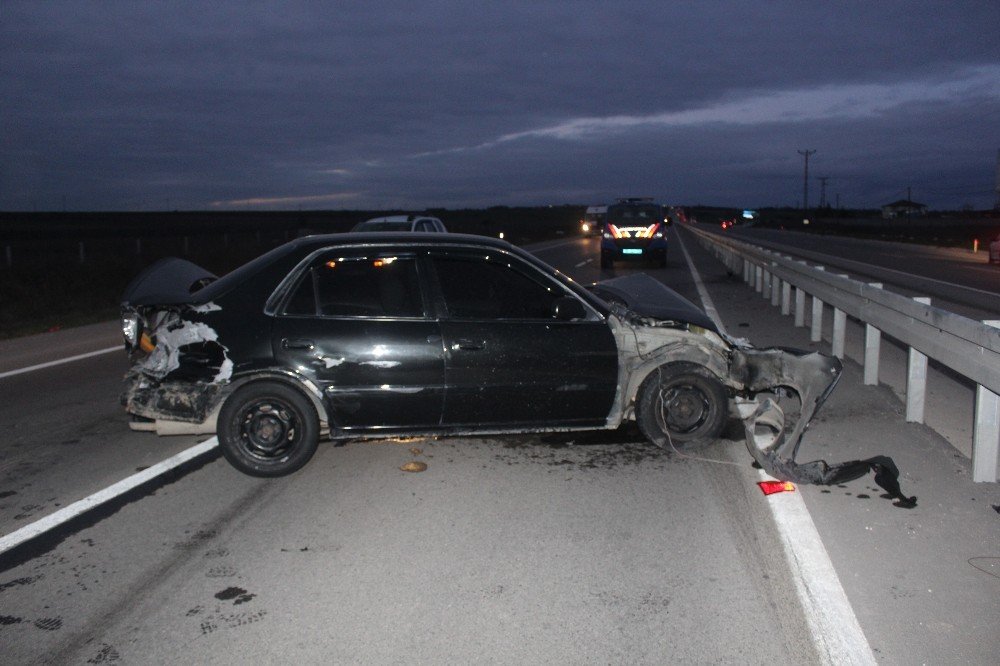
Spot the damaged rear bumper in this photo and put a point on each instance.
(187, 402)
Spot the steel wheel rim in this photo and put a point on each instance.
(684, 408)
(268, 429)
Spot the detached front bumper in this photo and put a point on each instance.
(812, 376)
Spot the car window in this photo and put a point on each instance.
(493, 287)
(370, 285)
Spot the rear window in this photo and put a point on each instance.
(642, 214)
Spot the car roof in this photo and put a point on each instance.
(401, 218)
(397, 237)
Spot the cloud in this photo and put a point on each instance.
(829, 102)
(289, 201)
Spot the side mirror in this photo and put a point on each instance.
(567, 308)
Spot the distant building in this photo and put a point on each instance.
(903, 208)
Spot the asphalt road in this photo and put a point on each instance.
(957, 279)
(583, 548)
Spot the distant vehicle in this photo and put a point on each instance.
(402, 223)
(593, 220)
(995, 251)
(635, 229)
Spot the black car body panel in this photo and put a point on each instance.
(651, 298)
(168, 281)
(433, 333)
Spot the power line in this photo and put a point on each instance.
(822, 190)
(805, 179)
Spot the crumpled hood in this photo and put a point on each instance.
(170, 281)
(648, 297)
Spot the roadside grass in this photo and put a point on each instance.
(39, 300)
(62, 293)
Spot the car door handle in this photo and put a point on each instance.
(297, 343)
(468, 345)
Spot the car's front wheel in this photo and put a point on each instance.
(268, 429)
(681, 406)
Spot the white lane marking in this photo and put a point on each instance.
(584, 263)
(75, 509)
(706, 301)
(836, 633)
(70, 359)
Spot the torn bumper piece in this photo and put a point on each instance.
(171, 401)
(813, 377)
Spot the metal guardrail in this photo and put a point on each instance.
(968, 347)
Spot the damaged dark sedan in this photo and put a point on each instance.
(379, 335)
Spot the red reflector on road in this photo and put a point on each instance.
(772, 487)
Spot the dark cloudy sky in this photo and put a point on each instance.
(253, 105)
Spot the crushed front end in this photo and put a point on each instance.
(776, 392)
(178, 364)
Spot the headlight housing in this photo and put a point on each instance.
(131, 329)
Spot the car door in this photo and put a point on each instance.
(508, 360)
(356, 324)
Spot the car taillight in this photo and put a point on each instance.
(772, 487)
(648, 231)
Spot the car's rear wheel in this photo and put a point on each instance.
(682, 406)
(268, 429)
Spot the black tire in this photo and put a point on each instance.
(607, 261)
(268, 429)
(682, 406)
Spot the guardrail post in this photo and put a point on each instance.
(800, 307)
(873, 343)
(916, 379)
(986, 437)
(766, 290)
(758, 282)
(786, 298)
(816, 330)
(775, 290)
(839, 329)
(746, 271)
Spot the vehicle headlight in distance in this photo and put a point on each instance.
(130, 328)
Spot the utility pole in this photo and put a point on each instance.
(822, 190)
(805, 180)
